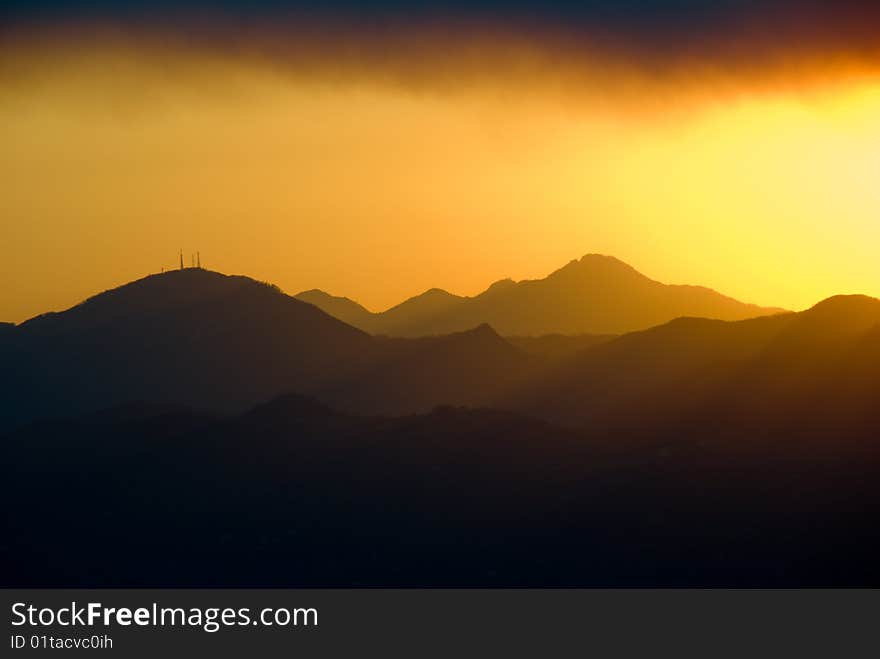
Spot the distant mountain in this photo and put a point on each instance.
(225, 343)
(406, 319)
(418, 316)
(348, 311)
(594, 295)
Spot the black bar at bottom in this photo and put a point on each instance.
(448, 623)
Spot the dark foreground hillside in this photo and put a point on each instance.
(294, 494)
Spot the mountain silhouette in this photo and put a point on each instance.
(192, 336)
(408, 319)
(594, 295)
(225, 343)
(348, 311)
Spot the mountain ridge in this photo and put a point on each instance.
(693, 364)
(223, 343)
(596, 294)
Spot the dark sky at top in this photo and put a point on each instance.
(644, 29)
(639, 18)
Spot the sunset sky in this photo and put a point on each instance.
(377, 153)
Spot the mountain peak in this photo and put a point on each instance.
(149, 295)
(842, 313)
(318, 293)
(343, 308)
(598, 266)
(501, 285)
(435, 293)
(485, 330)
(429, 302)
(838, 303)
(593, 257)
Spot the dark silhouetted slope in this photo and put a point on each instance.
(697, 374)
(191, 336)
(295, 494)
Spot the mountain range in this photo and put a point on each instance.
(594, 295)
(224, 344)
(198, 429)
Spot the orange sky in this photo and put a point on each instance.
(365, 186)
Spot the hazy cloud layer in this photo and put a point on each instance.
(419, 41)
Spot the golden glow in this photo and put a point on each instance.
(379, 191)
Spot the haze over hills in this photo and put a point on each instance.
(472, 368)
(557, 346)
(700, 373)
(594, 295)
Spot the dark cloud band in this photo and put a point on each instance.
(656, 36)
